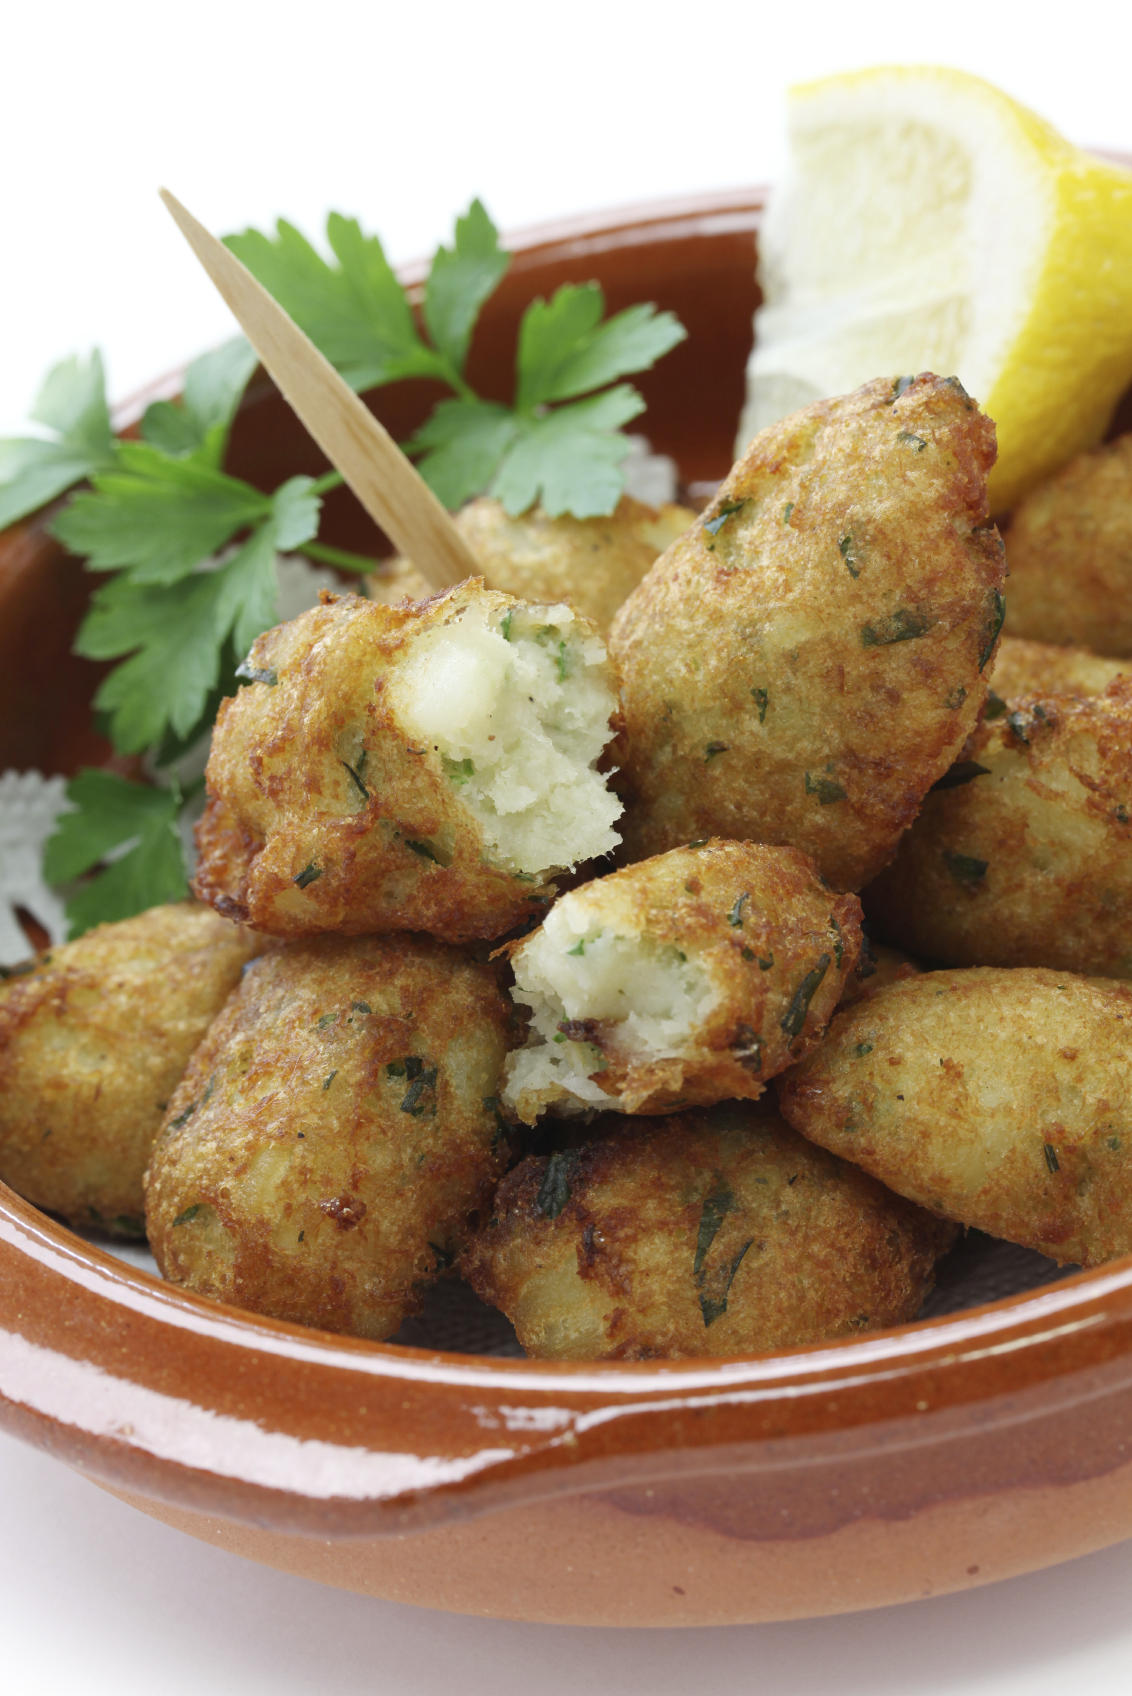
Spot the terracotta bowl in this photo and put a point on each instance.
(911, 1462)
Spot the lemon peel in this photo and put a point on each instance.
(928, 221)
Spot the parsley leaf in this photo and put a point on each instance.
(111, 813)
(34, 470)
(460, 281)
(158, 516)
(461, 446)
(356, 313)
(565, 349)
(569, 459)
(203, 416)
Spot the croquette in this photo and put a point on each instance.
(94, 1038)
(810, 657)
(1022, 856)
(1069, 544)
(409, 768)
(997, 1098)
(594, 563)
(717, 1232)
(1041, 668)
(688, 979)
(877, 966)
(327, 1151)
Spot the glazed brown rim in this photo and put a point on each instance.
(192, 1403)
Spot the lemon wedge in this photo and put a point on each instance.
(927, 222)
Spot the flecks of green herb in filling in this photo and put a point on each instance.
(129, 1226)
(786, 511)
(900, 385)
(735, 916)
(963, 771)
(850, 555)
(956, 699)
(423, 849)
(329, 1081)
(554, 1191)
(458, 771)
(714, 748)
(360, 1007)
(762, 701)
(443, 1258)
(505, 624)
(713, 1308)
(412, 1102)
(993, 626)
(253, 675)
(718, 1203)
(302, 1236)
(1051, 1156)
(748, 1048)
(308, 875)
(795, 1016)
(965, 869)
(357, 782)
(748, 954)
(838, 942)
(903, 626)
(563, 662)
(183, 1118)
(862, 1049)
(1019, 725)
(826, 790)
(765, 965)
(1113, 1143)
(1120, 814)
(907, 440)
(700, 842)
(190, 1213)
(323, 1020)
(714, 525)
(995, 706)
(579, 947)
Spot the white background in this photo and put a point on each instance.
(400, 115)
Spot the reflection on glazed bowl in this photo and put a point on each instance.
(979, 1442)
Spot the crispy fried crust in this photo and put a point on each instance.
(594, 563)
(709, 1233)
(1039, 668)
(775, 944)
(93, 1042)
(1000, 1099)
(334, 1134)
(806, 661)
(1070, 550)
(298, 837)
(1027, 859)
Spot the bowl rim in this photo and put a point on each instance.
(494, 1431)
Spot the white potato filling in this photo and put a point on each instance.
(575, 967)
(517, 704)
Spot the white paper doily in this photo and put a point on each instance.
(29, 806)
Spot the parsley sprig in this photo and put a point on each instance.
(190, 551)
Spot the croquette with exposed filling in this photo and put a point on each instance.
(810, 657)
(1022, 856)
(335, 1133)
(997, 1098)
(594, 563)
(94, 1037)
(687, 979)
(717, 1232)
(409, 768)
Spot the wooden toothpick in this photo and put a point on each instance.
(390, 488)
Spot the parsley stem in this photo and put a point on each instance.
(338, 557)
(323, 485)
